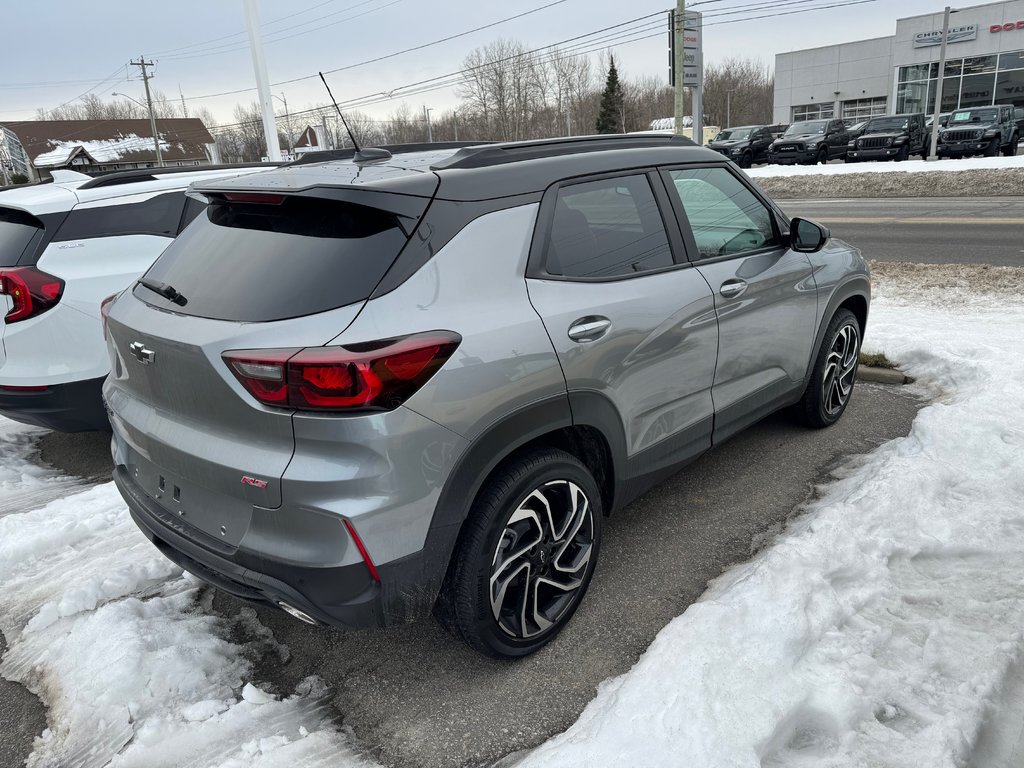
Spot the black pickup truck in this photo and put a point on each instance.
(979, 131)
(810, 142)
(890, 137)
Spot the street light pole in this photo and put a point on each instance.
(430, 130)
(938, 86)
(152, 122)
(142, 64)
(287, 124)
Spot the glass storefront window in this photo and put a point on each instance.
(913, 97)
(953, 67)
(1010, 88)
(976, 90)
(950, 93)
(812, 112)
(1013, 60)
(919, 72)
(979, 64)
(861, 108)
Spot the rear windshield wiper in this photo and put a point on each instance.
(165, 290)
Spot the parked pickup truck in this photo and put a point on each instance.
(810, 142)
(979, 131)
(744, 145)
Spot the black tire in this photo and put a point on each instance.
(747, 160)
(993, 148)
(1011, 149)
(823, 156)
(826, 398)
(466, 604)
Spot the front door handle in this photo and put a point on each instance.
(590, 328)
(733, 288)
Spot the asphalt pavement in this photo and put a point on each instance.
(418, 697)
(933, 230)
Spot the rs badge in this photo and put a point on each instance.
(255, 482)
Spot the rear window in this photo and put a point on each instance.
(159, 216)
(261, 262)
(18, 230)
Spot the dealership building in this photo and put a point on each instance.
(984, 65)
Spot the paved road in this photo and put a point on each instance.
(961, 230)
(423, 699)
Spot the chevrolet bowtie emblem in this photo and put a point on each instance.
(140, 353)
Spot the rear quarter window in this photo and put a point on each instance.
(19, 231)
(160, 215)
(249, 262)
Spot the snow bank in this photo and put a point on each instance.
(909, 166)
(107, 632)
(883, 625)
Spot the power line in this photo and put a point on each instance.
(392, 55)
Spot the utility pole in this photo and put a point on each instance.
(288, 125)
(430, 130)
(142, 64)
(259, 65)
(679, 35)
(184, 109)
(938, 86)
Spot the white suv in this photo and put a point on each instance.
(64, 247)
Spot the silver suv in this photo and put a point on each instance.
(360, 391)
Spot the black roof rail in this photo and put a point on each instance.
(114, 178)
(326, 155)
(497, 154)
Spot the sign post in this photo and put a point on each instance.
(686, 68)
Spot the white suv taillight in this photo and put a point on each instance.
(373, 376)
(32, 292)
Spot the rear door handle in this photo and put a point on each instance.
(590, 328)
(733, 288)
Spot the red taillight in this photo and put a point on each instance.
(253, 197)
(32, 291)
(377, 377)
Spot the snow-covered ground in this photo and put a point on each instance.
(909, 166)
(133, 671)
(883, 627)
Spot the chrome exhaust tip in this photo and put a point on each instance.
(300, 615)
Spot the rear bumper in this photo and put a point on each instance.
(343, 596)
(73, 407)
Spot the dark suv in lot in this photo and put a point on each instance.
(360, 391)
(979, 131)
(809, 142)
(890, 137)
(744, 145)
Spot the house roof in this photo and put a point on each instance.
(307, 138)
(54, 143)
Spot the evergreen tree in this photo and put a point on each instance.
(609, 119)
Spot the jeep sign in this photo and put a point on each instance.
(1008, 27)
(956, 35)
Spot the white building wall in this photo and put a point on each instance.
(858, 70)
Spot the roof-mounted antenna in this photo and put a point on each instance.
(368, 155)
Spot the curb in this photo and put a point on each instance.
(882, 375)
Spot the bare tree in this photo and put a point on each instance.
(738, 91)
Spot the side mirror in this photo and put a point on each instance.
(806, 236)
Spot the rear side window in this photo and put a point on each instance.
(250, 262)
(193, 208)
(18, 231)
(607, 228)
(159, 215)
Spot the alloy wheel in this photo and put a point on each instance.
(541, 559)
(840, 369)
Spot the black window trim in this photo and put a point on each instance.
(59, 237)
(536, 265)
(683, 221)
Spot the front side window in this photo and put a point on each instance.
(607, 228)
(726, 218)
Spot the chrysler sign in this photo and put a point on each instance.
(956, 35)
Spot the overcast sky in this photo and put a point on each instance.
(54, 51)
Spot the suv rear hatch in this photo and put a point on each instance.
(257, 271)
